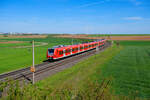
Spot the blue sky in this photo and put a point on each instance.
(75, 16)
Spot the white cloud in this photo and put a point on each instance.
(132, 18)
(93, 3)
(136, 2)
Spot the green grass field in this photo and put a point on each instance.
(14, 45)
(130, 69)
(15, 58)
(135, 43)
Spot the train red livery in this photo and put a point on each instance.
(62, 51)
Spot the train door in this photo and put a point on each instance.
(60, 53)
(64, 52)
(71, 50)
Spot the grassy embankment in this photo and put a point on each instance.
(12, 58)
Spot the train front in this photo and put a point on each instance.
(50, 53)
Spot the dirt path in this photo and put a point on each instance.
(14, 42)
(42, 44)
(23, 36)
(146, 38)
(10, 42)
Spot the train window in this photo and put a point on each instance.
(81, 48)
(76, 49)
(51, 50)
(73, 49)
(68, 51)
(60, 52)
(86, 47)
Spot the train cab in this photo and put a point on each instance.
(50, 53)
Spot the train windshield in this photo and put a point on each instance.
(51, 51)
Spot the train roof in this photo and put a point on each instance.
(67, 46)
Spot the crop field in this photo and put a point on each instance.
(139, 37)
(98, 35)
(135, 43)
(19, 55)
(22, 36)
(13, 44)
(130, 69)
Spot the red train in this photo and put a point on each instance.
(61, 51)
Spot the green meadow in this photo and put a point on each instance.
(15, 45)
(130, 69)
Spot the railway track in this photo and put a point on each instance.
(25, 74)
